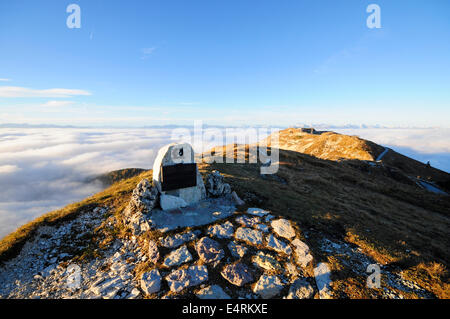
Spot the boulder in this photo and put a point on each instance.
(178, 257)
(278, 245)
(323, 280)
(144, 197)
(151, 281)
(215, 185)
(300, 289)
(238, 251)
(224, 230)
(238, 274)
(248, 221)
(178, 239)
(173, 154)
(184, 278)
(268, 286)
(302, 252)
(283, 228)
(249, 235)
(266, 261)
(143, 200)
(212, 292)
(209, 250)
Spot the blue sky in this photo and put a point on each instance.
(135, 63)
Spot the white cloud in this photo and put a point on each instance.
(44, 169)
(4, 80)
(17, 91)
(146, 52)
(7, 169)
(57, 103)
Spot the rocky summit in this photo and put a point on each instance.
(167, 264)
(307, 233)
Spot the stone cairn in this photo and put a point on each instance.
(259, 256)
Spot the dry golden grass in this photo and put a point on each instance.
(116, 196)
(394, 222)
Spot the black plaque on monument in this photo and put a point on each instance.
(178, 176)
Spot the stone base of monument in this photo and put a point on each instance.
(201, 213)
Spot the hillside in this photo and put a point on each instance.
(338, 147)
(349, 212)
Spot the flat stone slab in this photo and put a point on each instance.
(238, 251)
(201, 213)
(212, 292)
(209, 250)
(302, 252)
(266, 261)
(169, 202)
(248, 221)
(177, 239)
(225, 230)
(249, 235)
(237, 274)
(278, 245)
(283, 228)
(300, 289)
(257, 212)
(323, 280)
(184, 278)
(178, 257)
(151, 281)
(268, 286)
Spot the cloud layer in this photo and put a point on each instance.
(45, 169)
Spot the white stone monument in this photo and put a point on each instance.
(176, 176)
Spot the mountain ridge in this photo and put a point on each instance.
(351, 202)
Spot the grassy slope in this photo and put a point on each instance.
(395, 223)
(339, 200)
(116, 196)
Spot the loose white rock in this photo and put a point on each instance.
(300, 289)
(178, 257)
(212, 292)
(266, 261)
(283, 228)
(302, 252)
(323, 280)
(249, 235)
(151, 281)
(224, 230)
(268, 286)
(238, 251)
(278, 245)
(248, 221)
(183, 278)
(177, 239)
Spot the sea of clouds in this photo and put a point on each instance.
(42, 169)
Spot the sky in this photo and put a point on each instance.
(265, 62)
